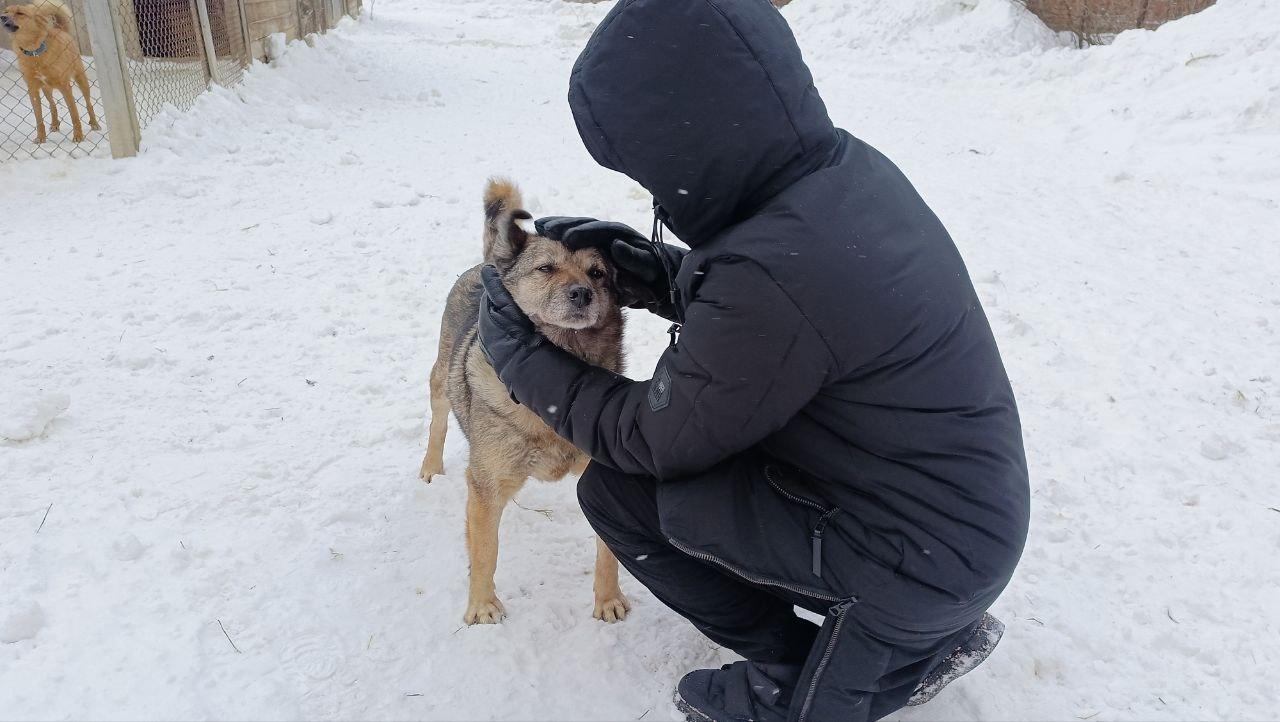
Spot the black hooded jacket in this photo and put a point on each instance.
(830, 326)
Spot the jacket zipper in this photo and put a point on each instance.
(768, 474)
(755, 578)
(839, 610)
(816, 536)
(817, 539)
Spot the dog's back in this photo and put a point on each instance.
(502, 206)
(501, 203)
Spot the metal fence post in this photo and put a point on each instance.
(113, 80)
(206, 32)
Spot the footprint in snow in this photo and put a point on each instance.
(1219, 447)
(20, 621)
(312, 655)
(309, 116)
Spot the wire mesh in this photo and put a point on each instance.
(49, 102)
(164, 53)
(227, 28)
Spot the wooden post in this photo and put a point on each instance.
(113, 80)
(206, 32)
(247, 60)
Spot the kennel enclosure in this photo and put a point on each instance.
(143, 56)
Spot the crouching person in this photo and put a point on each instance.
(833, 428)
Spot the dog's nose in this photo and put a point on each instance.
(580, 296)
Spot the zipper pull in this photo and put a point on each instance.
(817, 539)
(817, 552)
(675, 333)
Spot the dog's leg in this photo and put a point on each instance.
(82, 80)
(34, 94)
(485, 501)
(77, 130)
(55, 123)
(611, 603)
(433, 462)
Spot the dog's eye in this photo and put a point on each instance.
(546, 268)
(596, 273)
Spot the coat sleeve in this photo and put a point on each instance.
(747, 361)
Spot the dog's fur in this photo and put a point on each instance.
(509, 443)
(49, 22)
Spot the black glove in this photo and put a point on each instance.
(504, 330)
(646, 270)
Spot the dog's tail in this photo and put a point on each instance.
(58, 14)
(503, 236)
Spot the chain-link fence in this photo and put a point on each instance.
(164, 52)
(49, 100)
(229, 28)
(79, 77)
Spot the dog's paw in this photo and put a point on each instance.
(54, 128)
(429, 469)
(77, 137)
(612, 608)
(40, 139)
(485, 611)
(95, 126)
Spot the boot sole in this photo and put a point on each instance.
(962, 660)
(691, 713)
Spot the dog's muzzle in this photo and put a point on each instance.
(8, 24)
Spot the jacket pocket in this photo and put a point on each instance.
(731, 516)
(776, 477)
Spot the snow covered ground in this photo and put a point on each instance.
(214, 357)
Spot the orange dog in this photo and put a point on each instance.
(49, 60)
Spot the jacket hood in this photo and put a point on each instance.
(706, 103)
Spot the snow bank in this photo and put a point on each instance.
(1000, 28)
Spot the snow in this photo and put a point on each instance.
(20, 621)
(246, 315)
(29, 415)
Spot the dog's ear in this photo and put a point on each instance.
(504, 239)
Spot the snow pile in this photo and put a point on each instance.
(1210, 73)
(26, 416)
(998, 27)
(248, 317)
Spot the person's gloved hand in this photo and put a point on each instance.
(643, 278)
(504, 330)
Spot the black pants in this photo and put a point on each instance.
(867, 677)
(758, 623)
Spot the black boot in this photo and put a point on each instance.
(737, 692)
(973, 651)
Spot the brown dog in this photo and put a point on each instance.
(49, 60)
(572, 297)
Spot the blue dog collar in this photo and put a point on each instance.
(44, 45)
